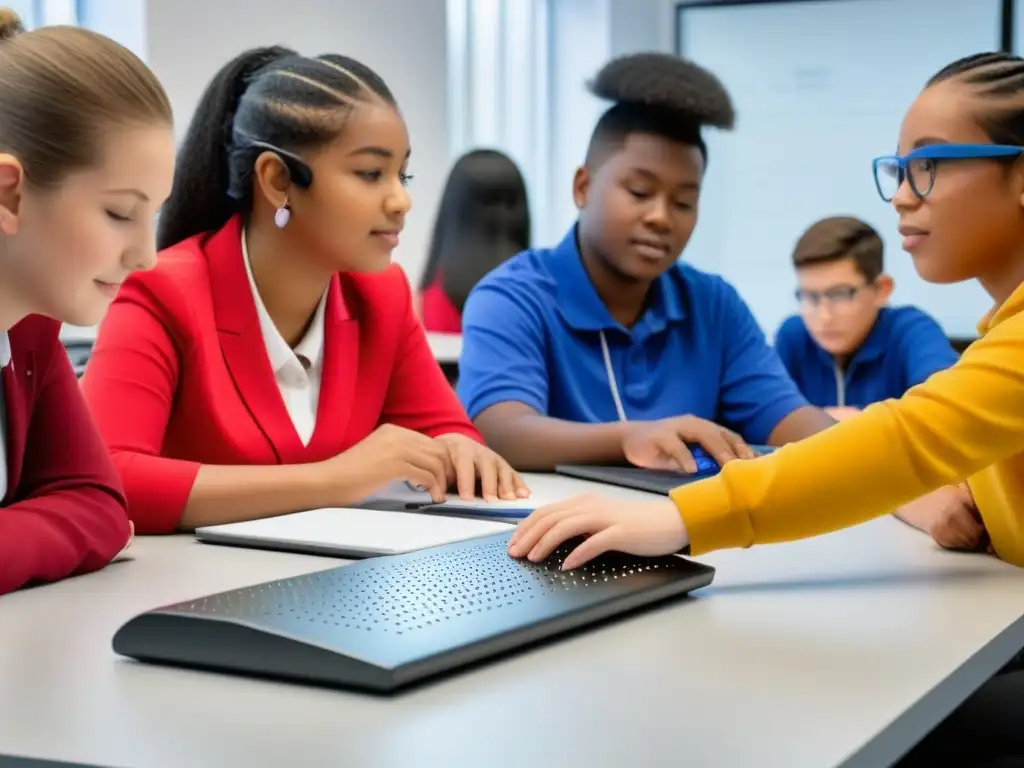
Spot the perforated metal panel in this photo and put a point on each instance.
(400, 618)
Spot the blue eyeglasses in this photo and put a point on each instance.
(918, 166)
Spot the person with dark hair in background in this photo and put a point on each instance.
(957, 185)
(606, 348)
(272, 362)
(86, 158)
(847, 348)
(483, 220)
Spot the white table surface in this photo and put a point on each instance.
(843, 650)
(78, 332)
(446, 346)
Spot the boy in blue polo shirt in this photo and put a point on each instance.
(604, 348)
(847, 348)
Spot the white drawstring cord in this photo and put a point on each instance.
(612, 385)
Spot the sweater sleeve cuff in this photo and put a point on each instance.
(711, 518)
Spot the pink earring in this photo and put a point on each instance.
(282, 216)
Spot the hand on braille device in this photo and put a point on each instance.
(645, 528)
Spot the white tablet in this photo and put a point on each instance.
(350, 533)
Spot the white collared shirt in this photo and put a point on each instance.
(5, 360)
(297, 371)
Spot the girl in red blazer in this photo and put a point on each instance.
(86, 156)
(272, 361)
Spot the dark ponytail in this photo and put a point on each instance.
(199, 200)
(266, 98)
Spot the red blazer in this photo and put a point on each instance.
(437, 311)
(180, 376)
(64, 512)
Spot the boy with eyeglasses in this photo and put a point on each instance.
(847, 348)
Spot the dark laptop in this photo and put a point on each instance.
(651, 480)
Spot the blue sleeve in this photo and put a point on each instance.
(756, 392)
(504, 355)
(924, 349)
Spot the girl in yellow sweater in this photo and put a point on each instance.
(958, 187)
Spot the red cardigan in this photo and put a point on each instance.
(180, 375)
(64, 512)
(437, 311)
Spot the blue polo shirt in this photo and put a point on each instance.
(531, 333)
(904, 348)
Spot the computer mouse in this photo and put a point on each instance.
(708, 466)
(705, 464)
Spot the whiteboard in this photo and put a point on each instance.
(820, 89)
(1018, 27)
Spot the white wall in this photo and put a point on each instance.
(403, 40)
(122, 20)
(642, 25)
(581, 39)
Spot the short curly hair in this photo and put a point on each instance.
(657, 93)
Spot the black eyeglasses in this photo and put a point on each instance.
(918, 167)
(837, 296)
